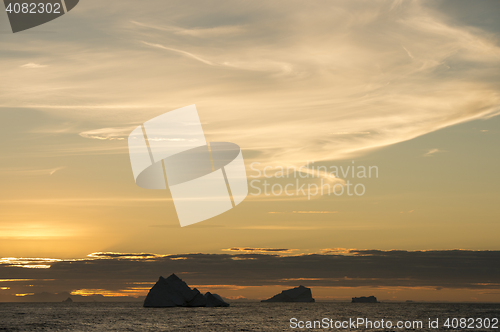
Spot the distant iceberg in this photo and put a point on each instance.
(297, 294)
(364, 299)
(173, 292)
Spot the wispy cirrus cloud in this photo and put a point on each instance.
(32, 65)
(394, 106)
(87, 201)
(196, 32)
(273, 250)
(256, 65)
(432, 152)
(185, 53)
(119, 134)
(383, 76)
(307, 212)
(31, 171)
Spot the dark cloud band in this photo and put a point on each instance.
(372, 268)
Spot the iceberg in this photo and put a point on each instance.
(173, 292)
(364, 299)
(297, 294)
(214, 300)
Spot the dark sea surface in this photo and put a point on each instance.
(238, 317)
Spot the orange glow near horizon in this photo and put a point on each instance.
(324, 294)
(103, 292)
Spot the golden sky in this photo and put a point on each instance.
(409, 87)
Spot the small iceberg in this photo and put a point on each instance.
(365, 299)
(297, 294)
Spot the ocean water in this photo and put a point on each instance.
(239, 316)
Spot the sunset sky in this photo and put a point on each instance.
(411, 88)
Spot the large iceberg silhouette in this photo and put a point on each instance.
(173, 292)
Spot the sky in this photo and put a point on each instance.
(408, 89)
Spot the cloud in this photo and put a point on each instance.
(286, 227)
(14, 261)
(432, 152)
(84, 295)
(118, 255)
(338, 251)
(124, 273)
(37, 231)
(120, 133)
(196, 32)
(314, 212)
(239, 297)
(306, 212)
(56, 169)
(33, 65)
(238, 249)
(189, 55)
(256, 65)
(87, 201)
(394, 70)
(32, 171)
(198, 225)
